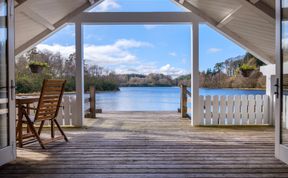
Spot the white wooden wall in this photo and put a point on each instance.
(235, 110)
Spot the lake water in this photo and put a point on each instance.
(155, 98)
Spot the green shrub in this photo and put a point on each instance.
(24, 85)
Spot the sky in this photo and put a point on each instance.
(143, 48)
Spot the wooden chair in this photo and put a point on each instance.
(47, 110)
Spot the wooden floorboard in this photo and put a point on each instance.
(151, 144)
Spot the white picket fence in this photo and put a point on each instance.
(67, 112)
(234, 110)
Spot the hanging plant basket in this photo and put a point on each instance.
(37, 67)
(246, 72)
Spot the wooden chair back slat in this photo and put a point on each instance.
(50, 99)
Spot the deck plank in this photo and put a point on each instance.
(151, 144)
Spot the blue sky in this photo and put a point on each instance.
(143, 48)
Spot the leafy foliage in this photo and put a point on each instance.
(59, 68)
(247, 67)
(227, 75)
(36, 63)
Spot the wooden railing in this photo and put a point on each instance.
(184, 95)
(91, 111)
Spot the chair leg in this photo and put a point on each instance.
(18, 129)
(60, 129)
(52, 129)
(40, 128)
(33, 130)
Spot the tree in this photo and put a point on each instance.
(218, 68)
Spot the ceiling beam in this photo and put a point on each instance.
(19, 2)
(260, 54)
(58, 25)
(136, 18)
(262, 9)
(35, 16)
(229, 17)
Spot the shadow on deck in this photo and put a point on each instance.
(151, 144)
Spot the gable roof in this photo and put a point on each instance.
(249, 23)
(35, 20)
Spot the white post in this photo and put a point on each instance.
(79, 76)
(270, 81)
(195, 113)
(270, 72)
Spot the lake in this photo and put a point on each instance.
(155, 98)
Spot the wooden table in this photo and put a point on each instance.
(21, 101)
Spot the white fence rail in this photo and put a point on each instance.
(66, 115)
(234, 110)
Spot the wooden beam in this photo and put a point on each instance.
(19, 2)
(58, 25)
(262, 9)
(136, 17)
(35, 17)
(265, 8)
(229, 17)
(263, 56)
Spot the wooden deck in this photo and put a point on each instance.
(151, 144)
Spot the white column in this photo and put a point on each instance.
(269, 71)
(195, 113)
(79, 76)
(270, 82)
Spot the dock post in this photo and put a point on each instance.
(183, 102)
(92, 102)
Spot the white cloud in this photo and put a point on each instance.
(214, 50)
(151, 68)
(173, 54)
(117, 53)
(63, 50)
(107, 5)
(173, 71)
(149, 27)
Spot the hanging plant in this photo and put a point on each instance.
(246, 70)
(37, 67)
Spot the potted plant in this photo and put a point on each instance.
(246, 70)
(35, 64)
(37, 67)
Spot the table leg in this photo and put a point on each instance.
(28, 112)
(20, 125)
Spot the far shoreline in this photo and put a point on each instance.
(87, 92)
